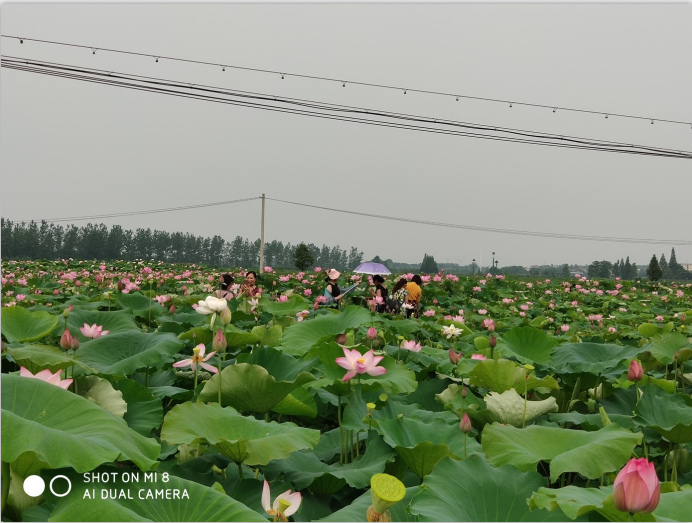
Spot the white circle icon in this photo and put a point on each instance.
(34, 486)
(69, 486)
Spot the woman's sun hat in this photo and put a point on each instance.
(333, 274)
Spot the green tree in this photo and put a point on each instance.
(429, 265)
(628, 273)
(565, 271)
(654, 271)
(303, 258)
(663, 263)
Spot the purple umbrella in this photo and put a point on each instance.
(372, 268)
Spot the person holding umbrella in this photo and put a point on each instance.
(380, 291)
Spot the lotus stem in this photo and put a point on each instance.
(146, 379)
(465, 437)
(218, 364)
(240, 470)
(341, 434)
(195, 385)
(636, 392)
(350, 437)
(267, 417)
(646, 454)
(631, 515)
(526, 385)
(674, 474)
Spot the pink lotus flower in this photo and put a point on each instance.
(429, 313)
(412, 345)
(564, 328)
(482, 311)
(318, 269)
(477, 289)
(356, 363)
(21, 297)
(283, 298)
(300, 316)
(197, 359)
(489, 324)
(67, 341)
(94, 331)
(478, 357)
(285, 504)
(658, 318)
(636, 488)
(47, 376)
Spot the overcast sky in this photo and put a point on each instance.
(70, 148)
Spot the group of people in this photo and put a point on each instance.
(404, 298)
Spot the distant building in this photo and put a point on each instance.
(686, 266)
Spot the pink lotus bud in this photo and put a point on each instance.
(225, 316)
(636, 488)
(492, 342)
(464, 392)
(635, 372)
(172, 309)
(316, 306)
(372, 333)
(219, 343)
(341, 339)
(465, 424)
(74, 344)
(454, 357)
(66, 340)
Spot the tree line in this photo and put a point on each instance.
(96, 242)
(626, 270)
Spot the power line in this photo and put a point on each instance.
(304, 107)
(495, 230)
(133, 213)
(344, 82)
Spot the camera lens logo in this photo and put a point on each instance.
(34, 486)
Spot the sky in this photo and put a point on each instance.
(70, 148)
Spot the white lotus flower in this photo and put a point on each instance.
(450, 331)
(211, 304)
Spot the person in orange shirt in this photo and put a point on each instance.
(414, 295)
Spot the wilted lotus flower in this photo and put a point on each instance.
(636, 488)
(47, 376)
(285, 504)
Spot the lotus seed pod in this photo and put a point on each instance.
(386, 491)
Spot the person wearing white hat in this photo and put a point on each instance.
(332, 291)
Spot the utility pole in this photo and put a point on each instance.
(261, 267)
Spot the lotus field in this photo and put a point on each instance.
(130, 392)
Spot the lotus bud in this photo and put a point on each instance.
(386, 491)
(492, 342)
(66, 312)
(341, 339)
(465, 424)
(635, 372)
(636, 488)
(372, 333)
(172, 309)
(66, 340)
(464, 392)
(454, 357)
(225, 316)
(605, 420)
(2, 346)
(219, 343)
(74, 345)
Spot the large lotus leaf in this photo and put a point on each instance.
(421, 445)
(398, 378)
(138, 302)
(250, 387)
(280, 365)
(198, 335)
(576, 501)
(668, 414)
(144, 410)
(38, 357)
(123, 353)
(508, 407)
(594, 358)
(358, 509)
(302, 468)
(293, 306)
(648, 329)
(592, 421)
(591, 454)
(300, 337)
(473, 490)
(66, 430)
(269, 336)
(527, 344)
(114, 322)
(663, 347)
(195, 502)
(674, 506)
(298, 403)
(101, 392)
(502, 375)
(239, 438)
(18, 324)
(400, 326)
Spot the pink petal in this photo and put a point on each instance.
(376, 371)
(65, 384)
(25, 372)
(266, 497)
(349, 375)
(294, 499)
(209, 368)
(343, 362)
(183, 363)
(208, 355)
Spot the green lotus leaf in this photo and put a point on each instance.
(527, 344)
(20, 325)
(66, 430)
(473, 490)
(201, 503)
(138, 302)
(674, 506)
(298, 403)
(575, 501)
(38, 357)
(269, 336)
(239, 438)
(502, 375)
(358, 508)
(421, 445)
(303, 468)
(591, 454)
(594, 358)
(300, 337)
(114, 322)
(144, 410)
(508, 407)
(101, 392)
(648, 329)
(198, 335)
(663, 347)
(251, 387)
(592, 421)
(293, 306)
(668, 414)
(121, 354)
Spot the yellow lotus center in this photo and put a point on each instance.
(283, 505)
(361, 360)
